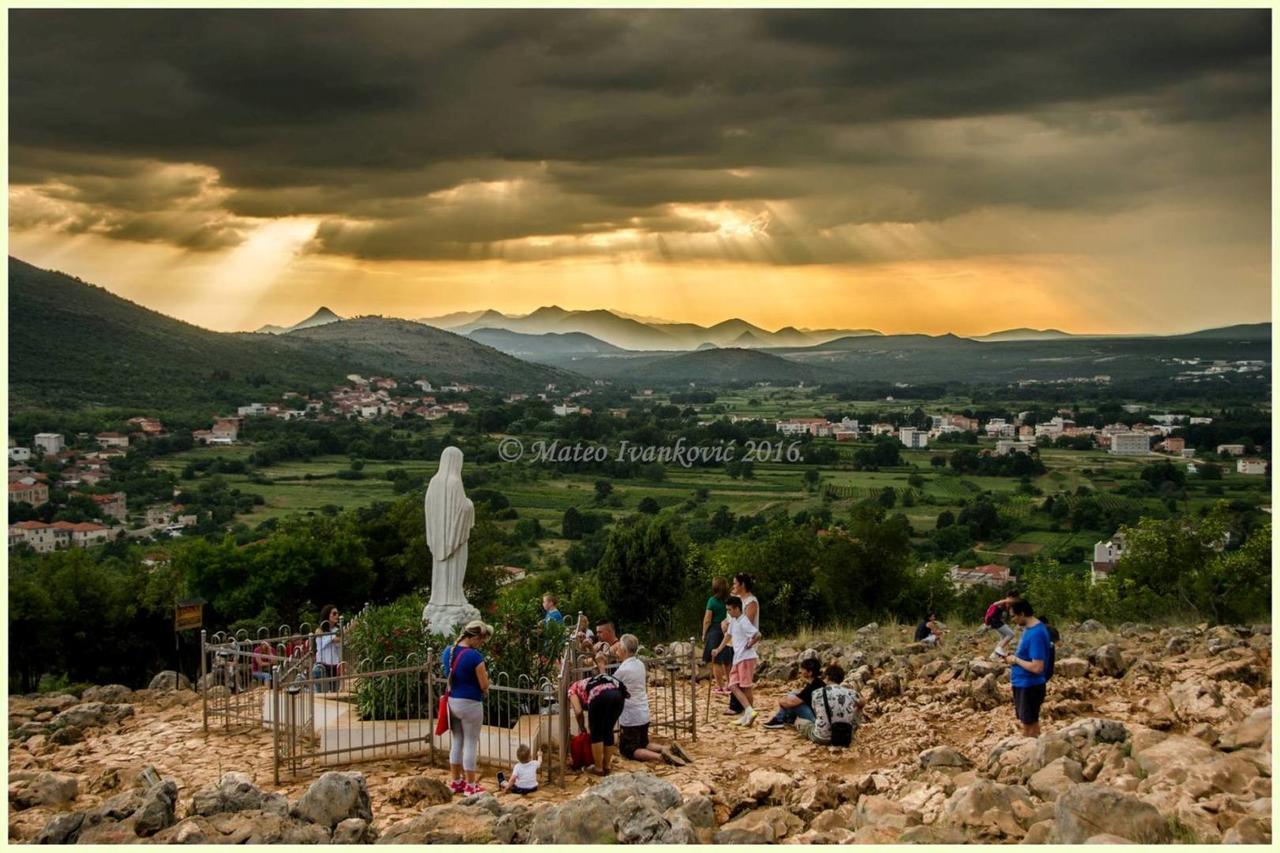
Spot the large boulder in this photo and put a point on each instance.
(1083, 811)
(92, 714)
(158, 810)
(582, 820)
(990, 809)
(1174, 751)
(769, 786)
(616, 788)
(450, 823)
(1076, 740)
(1091, 626)
(234, 792)
(1252, 733)
(771, 824)
(42, 788)
(111, 694)
(163, 682)
(1055, 777)
(354, 830)
(333, 798)
(1071, 668)
(413, 790)
(61, 829)
(1197, 701)
(943, 757)
(1109, 660)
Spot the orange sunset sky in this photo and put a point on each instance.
(909, 171)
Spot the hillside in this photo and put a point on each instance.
(1242, 332)
(319, 318)
(73, 345)
(403, 347)
(1023, 334)
(535, 346)
(724, 366)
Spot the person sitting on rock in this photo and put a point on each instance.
(835, 711)
(928, 631)
(798, 704)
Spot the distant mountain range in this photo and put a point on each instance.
(631, 333)
(1024, 334)
(321, 317)
(72, 344)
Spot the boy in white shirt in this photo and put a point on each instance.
(744, 636)
(524, 775)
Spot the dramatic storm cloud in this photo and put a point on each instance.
(433, 160)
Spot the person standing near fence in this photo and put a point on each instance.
(468, 686)
(712, 633)
(743, 584)
(329, 648)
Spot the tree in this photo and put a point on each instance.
(571, 524)
(946, 518)
(603, 489)
(649, 506)
(643, 562)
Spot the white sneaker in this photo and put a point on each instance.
(748, 717)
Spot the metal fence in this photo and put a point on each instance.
(369, 710)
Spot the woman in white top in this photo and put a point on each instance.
(329, 647)
(742, 584)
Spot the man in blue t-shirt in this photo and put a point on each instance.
(1026, 672)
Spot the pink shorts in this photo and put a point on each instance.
(742, 674)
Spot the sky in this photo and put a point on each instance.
(904, 170)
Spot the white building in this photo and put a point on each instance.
(913, 438)
(19, 454)
(1251, 466)
(563, 409)
(1130, 444)
(50, 443)
(251, 410)
(1205, 421)
(1006, 446)
(1105, 556)
(1229, 449)
(1133, 408)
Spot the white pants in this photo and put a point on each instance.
(465, 718)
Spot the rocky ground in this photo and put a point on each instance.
(1150, 735)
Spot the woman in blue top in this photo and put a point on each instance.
(468, 685)
(1027, 666)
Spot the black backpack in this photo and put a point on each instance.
(609, 680)
(1052, 653)
(841, 733)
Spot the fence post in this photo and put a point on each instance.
(693, 690)
(562, 702)
(204, 687)
(275, 723)
(431, 709)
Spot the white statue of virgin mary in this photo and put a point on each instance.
(449, 517)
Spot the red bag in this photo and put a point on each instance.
(580, 751)
(442, 712)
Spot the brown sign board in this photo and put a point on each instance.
(188, 615)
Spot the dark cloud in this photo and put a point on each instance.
(383, 124)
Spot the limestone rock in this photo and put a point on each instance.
(234, 792)
(158, 810)
(769, 786)
(1083, 811)
(1248, 830)
(62, 829)
(169, 680)
(1173, 751)
(1091, 626)
(638, 822)
(1253, 732)
(112, 694)
(739, 836)
(412, 790)
(92, 714)
(1055, 777)
(990, 809)
(771, 824)
(354, 830)
(1109, 659)
(582, 820)
(1071, 668)
(333, 798)
(44, 789)
(617, 787)
(943, 756)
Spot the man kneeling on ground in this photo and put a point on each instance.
(635, 743)
(835, 711)
(798, 705)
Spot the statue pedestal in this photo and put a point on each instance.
(448, 618)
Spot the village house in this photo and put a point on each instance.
(1105, 556)
(1026, 433)
(424, 385)
(150, 427)
(112, 439)
(1251, 466)
(43, 538)
(561, 410)
(1200, 421)
(49, 443)
(30, 491)
(84, 534)
(225, 431)
(1006, 446)
(251, 410)
(1231, 449)
(1173, 444)
(112, 505)
(19, 454)
(881, 429)
(965, 423)
(357, 379)
(992, 575)
(913, 438)
(384, 383)
(1130, 444)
